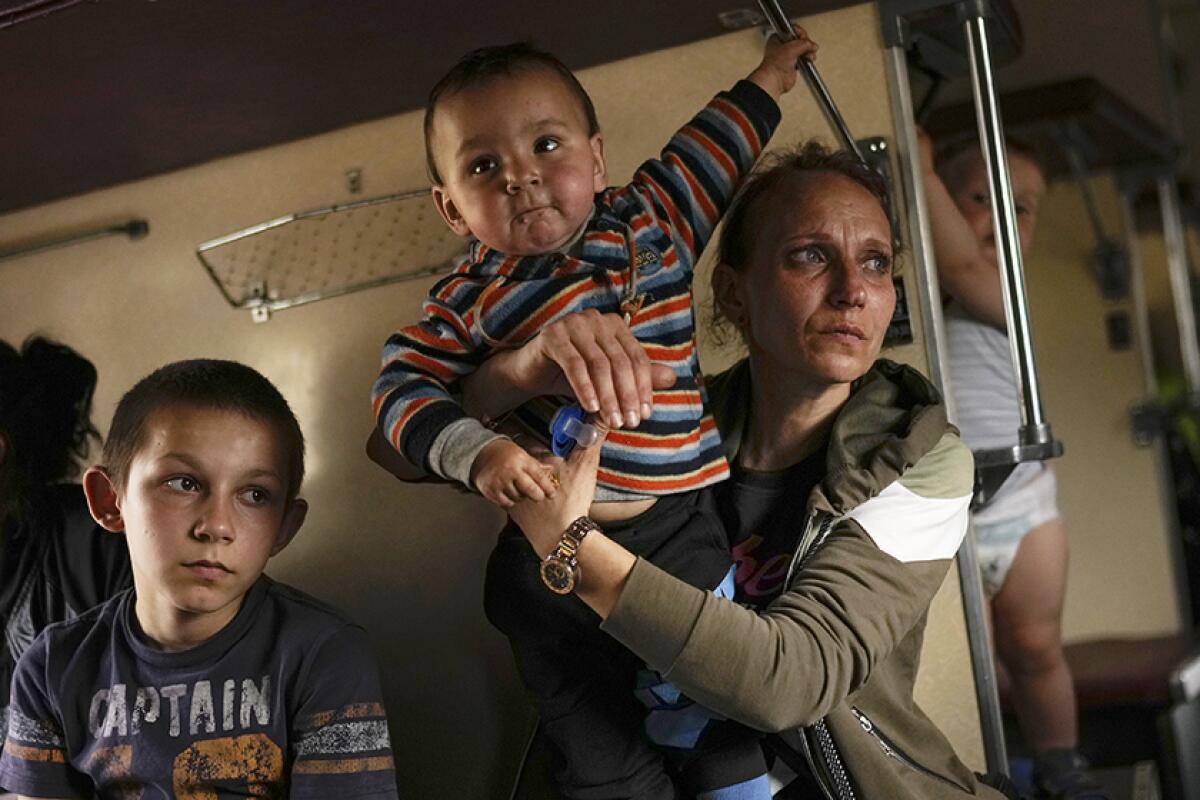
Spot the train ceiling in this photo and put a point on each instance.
(94, 93)
(98, 92)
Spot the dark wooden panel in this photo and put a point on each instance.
(99, 93)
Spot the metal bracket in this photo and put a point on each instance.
(876, 155)
(739, 19)
(259, 302)
(1147, 421)
(928, 30)
(1109, 260)
(992, 467)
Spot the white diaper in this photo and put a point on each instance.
(1025, 501)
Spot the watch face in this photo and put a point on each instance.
(558, 576)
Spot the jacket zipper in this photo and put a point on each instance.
(841, 789)
(825, 750)
(890, 748)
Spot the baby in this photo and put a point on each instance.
(517, 161)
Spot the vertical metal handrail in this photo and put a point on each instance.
(983, 667)
(1162, 459)
(1080, 175)
(1034, 428)
(1181, 284)
(1137, 292)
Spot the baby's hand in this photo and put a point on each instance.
(776, 75)
(505, 474)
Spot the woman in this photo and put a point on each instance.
(54, 561)
(823, 643)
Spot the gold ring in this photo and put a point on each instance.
(554, 479)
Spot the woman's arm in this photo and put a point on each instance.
(964, 272)
(854, 603)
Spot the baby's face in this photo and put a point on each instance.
(518, 166)
(974, 201)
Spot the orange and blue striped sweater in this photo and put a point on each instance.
(492, 301)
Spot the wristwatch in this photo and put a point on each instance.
(560, 569)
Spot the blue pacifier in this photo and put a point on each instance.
(569, 428)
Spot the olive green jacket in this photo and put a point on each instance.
(830, 664)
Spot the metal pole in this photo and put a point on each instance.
(782, 26)
(1181, 284)
(134, 229)
(1137, 291)
(1034, 428)
(925, 275)
(1162, 460)
(1079, 173)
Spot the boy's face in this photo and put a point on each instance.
(203, 508)
(519, 169)
(973, 200)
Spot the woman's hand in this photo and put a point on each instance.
(544, 521)
(604, 565)
(591, 356)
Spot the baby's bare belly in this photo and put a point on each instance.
(615, 512)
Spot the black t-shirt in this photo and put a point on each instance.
(765, 513)
(54, 565)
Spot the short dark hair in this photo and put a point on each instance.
(501, 61)
(810, 157)
(952, 160)
(45, 411)
(209, 384)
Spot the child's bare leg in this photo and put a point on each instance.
(1027, 625)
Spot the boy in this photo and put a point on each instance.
(516, 159)
(1021, 537)
(206, 679)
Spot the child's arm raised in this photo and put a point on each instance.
(964, 272)
(776, 75)
(692, 183)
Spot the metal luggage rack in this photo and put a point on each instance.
(328, 252)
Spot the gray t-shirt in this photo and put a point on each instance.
(283, 702)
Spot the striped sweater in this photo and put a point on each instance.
(493, 301)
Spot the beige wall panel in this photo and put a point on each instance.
(406, 561)
(1121, 582)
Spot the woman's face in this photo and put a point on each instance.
(816, 298)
